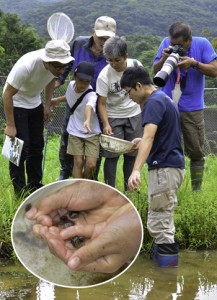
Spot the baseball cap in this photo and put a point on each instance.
(105, 26)
(57, 50)
(84, 70)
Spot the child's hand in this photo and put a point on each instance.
(87, 126)
(54, 102)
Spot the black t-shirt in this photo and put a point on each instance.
(166, 151)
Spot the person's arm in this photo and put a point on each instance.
(48, 93)
(88, 113)
(57, 100)
(206, 69)
(144, 150)
(103, 115)
(159, 64)
(8, 94)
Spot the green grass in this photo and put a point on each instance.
(195, 215)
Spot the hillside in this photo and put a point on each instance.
(133, 16)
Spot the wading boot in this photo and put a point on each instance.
(167, 255)
(154, 254)
(197, 170)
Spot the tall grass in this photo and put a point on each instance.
(195, 215)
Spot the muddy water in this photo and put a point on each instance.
(195, 279)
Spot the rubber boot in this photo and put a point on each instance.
(168, 255)
(197, 170)
(154, 254)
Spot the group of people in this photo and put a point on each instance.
(118, 115)
(121, 101)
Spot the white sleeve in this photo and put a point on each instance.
(70, 95)
(134, 62)
(102, 85)
(139, 63)
(92, 98)
(17, 76)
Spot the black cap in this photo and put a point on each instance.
(85, 70)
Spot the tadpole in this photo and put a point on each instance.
(28, 207)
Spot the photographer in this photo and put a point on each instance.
(197, 59)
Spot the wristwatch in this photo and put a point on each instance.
(196, 66)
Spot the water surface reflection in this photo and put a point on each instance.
(195, 279)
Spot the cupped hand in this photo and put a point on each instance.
(108, 246)
(95, 202)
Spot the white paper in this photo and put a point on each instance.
(12, 149)
(176, 93)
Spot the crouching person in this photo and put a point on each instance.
(160, 147)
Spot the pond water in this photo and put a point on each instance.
(195, 279)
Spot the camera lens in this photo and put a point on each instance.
(162, 76)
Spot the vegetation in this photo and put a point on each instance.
(15, 40)
(133, 16)
(195, 215)
(144, 26)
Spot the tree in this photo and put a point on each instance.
(15, 40)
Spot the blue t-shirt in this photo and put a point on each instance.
(166, 151)
(81, 51)
(192, 82)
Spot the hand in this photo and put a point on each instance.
(186, 62)
(57, 84)
(136, 141)
(87, 126)
(105, 249)
(134, 180)
(104, 223)
(47, 113)
(54, 102)
(165, 54)
(107, 130)
(82, 196)
(11, 131)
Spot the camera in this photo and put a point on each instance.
(162, 76)
(176, 49)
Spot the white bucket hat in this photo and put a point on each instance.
(105, 26)
(57, 50)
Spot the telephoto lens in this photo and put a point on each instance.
(162, 76)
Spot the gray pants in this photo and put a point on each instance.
(162, 189)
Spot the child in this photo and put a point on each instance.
(83, 126)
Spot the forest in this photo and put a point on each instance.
(144, 17)
(143, 23)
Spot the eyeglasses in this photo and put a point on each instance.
(127, 93)
(59, 66)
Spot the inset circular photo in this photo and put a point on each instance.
(77, 233)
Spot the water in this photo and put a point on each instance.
(195, 279)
